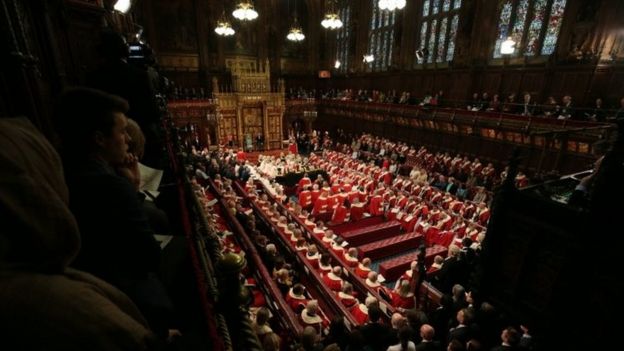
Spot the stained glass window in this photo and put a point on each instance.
(423, 40)
(381, 37)
(521, 14)
(435, 6)
(438, 30)
(441, 40)
(530, 25)
(342, 39)
(539, 13)
(554, 25)
(503, 26)
(432, 40)
(450, 51)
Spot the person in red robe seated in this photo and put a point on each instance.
(313, 255)
(483, 214)
(315, 192)
(360, 312)
(337, 246)
(319, 230)
(241, 156)
(333, 279)
(305, 198)
(357, 210)
(301, 245)
(351, 257)
(310, 317)
(373, 283)
(320, 205)
(363, 268)
(407, 275)
(375, 208)
(328, 238)
(341, 213)
(403, 298)
(296, 298)
(258, 296)
(324, 264)
(346, 296)
(438, 261)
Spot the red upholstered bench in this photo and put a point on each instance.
(372, 233)
(364, 222)
(392, 246)
(325, 216)
(392, 269)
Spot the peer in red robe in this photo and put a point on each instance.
(341, 214)
(305, 198)
(333, 280)
(296, 298)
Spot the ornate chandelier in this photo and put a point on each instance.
(224, 28)
(245, 11)
(295, 34)
(331, 19)
(391, 5)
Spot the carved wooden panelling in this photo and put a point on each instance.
(252, 121)
(228, 128)
(274, 129)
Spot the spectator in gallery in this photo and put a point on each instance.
(119, 246)
(551, 107)
(79, 308)
(567, 110)
(597, 113)
(495, 104)
(528, 106)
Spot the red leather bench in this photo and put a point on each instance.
(392, 246)
(369, 234)
(394, 268)
(364, 222)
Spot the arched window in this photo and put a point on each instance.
(381, 37)
(533, 24)
(343, 38)
(438, 30)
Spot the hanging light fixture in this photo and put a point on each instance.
(508, 47)
(368, 58)
(337, 64)
(224, 28)
(391, 5)
(245, 11)
(295, 33)
(331, 20)
(122, 5)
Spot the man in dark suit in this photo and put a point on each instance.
(510, 339)
(117, 241)
(462, 331)
(567, 111)
(378, 336)
(428, 344)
